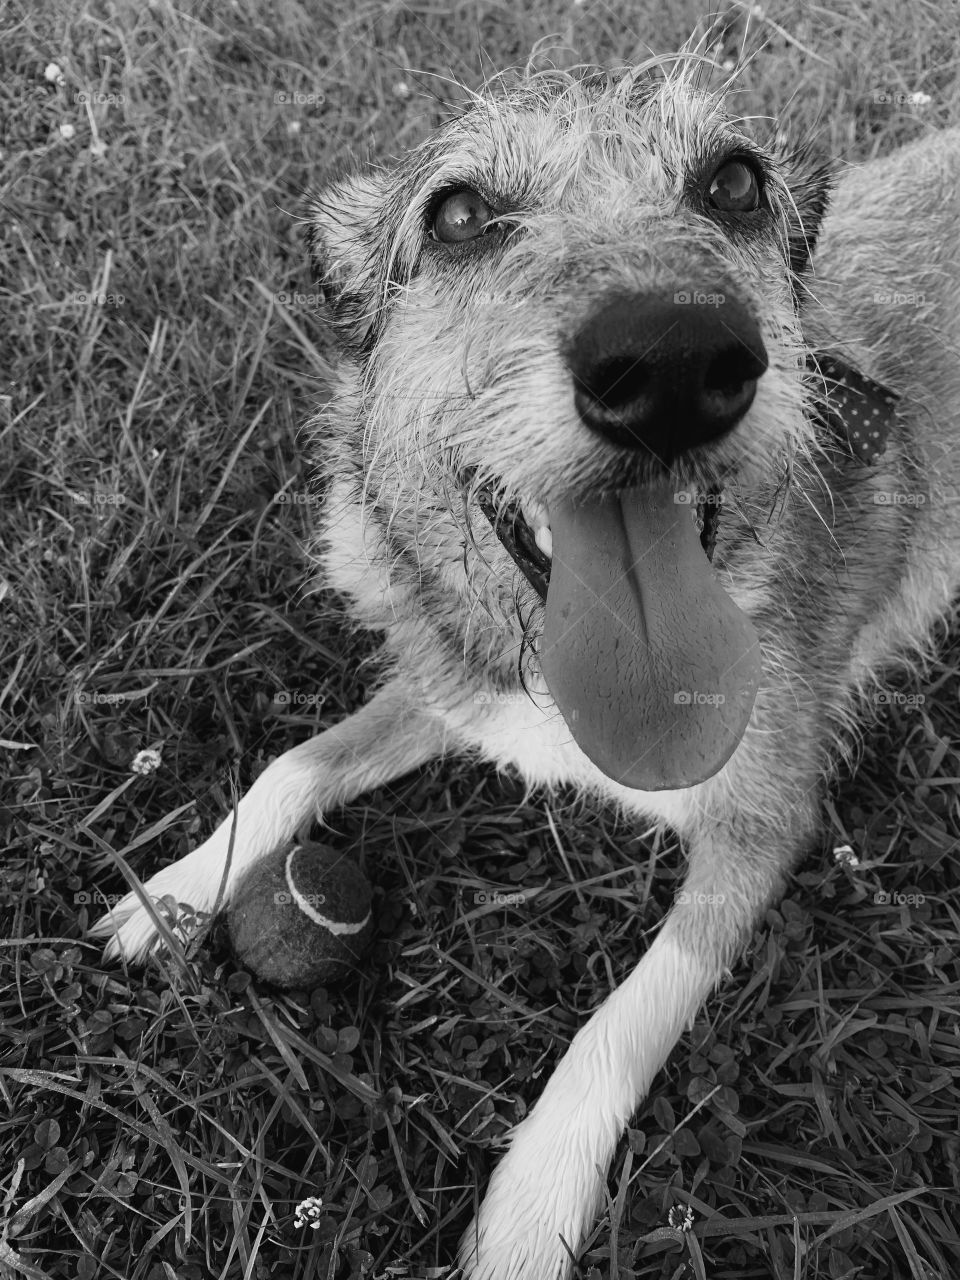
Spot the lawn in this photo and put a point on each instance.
(162, 341)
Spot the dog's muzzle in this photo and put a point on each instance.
(666, 375)
(652, 665)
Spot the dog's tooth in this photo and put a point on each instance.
(533, 512)
(534, 516)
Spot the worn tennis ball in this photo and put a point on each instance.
(301, 917)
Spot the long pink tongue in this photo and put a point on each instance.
(652, 665)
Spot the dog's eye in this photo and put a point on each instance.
(735, 188)
(463, 215)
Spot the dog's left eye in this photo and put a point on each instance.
(463, 215)
(735, 188)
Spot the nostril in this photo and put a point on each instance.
(616, 381)
(723, 378)
(727, 372)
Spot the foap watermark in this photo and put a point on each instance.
(298, 98)
(487, 697)
(283, 898)
(298, 698)
(689, 497)
(887, 98)
(896, 498)
(894, 698)
(299, 299)
(515, 300)
(93, 298)
(696, 698)
(296, 498)
(894, 298)
(687, 898)
(494, 898)
(96, 498)
(884, 898)
(93, 897)
(93, 698)
(698, 298)
(99, 99)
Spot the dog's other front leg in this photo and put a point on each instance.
(387, 737)
(550, 1183)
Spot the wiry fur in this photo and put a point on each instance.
(452, 378)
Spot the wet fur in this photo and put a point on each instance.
(451, 376)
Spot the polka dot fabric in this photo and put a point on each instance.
(856, 409)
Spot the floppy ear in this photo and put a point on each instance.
(345, 239)
(809, 175)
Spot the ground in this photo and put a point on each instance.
(161, 343)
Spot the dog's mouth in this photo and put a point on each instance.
(524, 529)
(652, 665)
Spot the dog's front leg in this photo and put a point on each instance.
(387, 737)
(550, 1183)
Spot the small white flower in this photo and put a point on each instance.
(98, 148)
(145, 761)
(402, 90)
(307, 1213)
(845, 857)
(681, 1219)
(293, 127)
(67, 131)
(53, 74)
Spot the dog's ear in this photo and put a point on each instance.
(345, 231)
(809, 175)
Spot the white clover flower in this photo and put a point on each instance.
(53, 74)
(67, 131)
(307, 1213)
(145, 761)
(844, 856)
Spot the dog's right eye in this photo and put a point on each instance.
(735, 187)
(463, 215)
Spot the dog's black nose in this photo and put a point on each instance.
(666, 374)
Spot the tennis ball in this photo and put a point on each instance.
(301, 917)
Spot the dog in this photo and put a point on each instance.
(641, 455)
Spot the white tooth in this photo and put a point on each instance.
(534, 513)
(544, 540)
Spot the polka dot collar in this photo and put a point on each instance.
(857, 411)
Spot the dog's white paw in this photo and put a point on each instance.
(544, 1191)
(281, 799)
(129, 929)
(193, 881)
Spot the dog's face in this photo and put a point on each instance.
(462, 280)
(575, 291)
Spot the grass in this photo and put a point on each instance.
(161, 344)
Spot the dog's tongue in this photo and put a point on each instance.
(652, 665)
